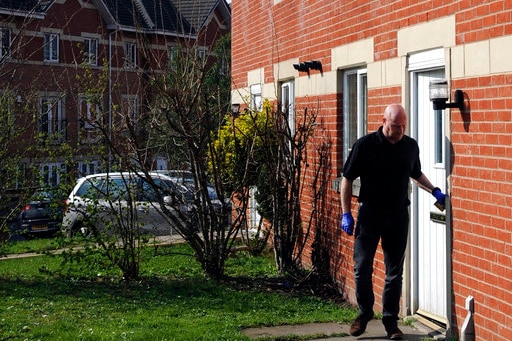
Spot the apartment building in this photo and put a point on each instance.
(68, 64)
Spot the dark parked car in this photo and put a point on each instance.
(42, 215)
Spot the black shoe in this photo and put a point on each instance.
(394, 333)
(359, 325)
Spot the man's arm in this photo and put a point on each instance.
(347, 221)
(424, 183)
(346, 195)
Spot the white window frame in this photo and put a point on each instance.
(256, 99)
(50, 107)
(173, 52)
(288, 104)
(351, 134)
(131, 108)
(202, 52)
(51, 173)
(130, 49)
(5, 42)
(88, 167)
(51, 47)
(91, 51)
(89, 119)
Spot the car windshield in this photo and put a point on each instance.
(41, 196)
(102, 188)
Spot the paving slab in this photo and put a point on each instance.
(333, 331)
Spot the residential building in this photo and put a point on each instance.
(349, 60)
(75, 66)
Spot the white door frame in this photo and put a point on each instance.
(418, 63)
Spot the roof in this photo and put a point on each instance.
(167, 16)
(143, 15)
(25, 7)
(180, 17)
(196, 12)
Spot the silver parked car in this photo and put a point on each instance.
(106, 200)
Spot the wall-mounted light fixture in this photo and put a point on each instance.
(301, 67)
(309, 65)
(235, 109)
(439, 95)
(314, 65)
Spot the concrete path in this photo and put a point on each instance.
(339, 332)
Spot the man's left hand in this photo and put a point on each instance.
(440, 196)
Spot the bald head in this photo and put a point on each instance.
(394, 122)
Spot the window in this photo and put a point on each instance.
(355, 95)
(130, 55)
(50, 117)
(5, 42)
(91, 51)
(88, 167)
(223, 66)
(89, 120)
(256, 103)
(51, 47)
(438, 137)
(131, 109)
(7, 115)
(202, 53)
(51, 173)
(173, 53)
(288, 105)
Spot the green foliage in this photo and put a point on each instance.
(9, 170)
(243, 147)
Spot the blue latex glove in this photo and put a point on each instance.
(347, 223)
(440, 196)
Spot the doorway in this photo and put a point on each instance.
(429, 250)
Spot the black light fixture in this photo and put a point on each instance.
(309, 65)
(235, 109)
(314, 65)
(301, 67)
(439, 94)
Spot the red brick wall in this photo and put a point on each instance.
(481, 180)
(482, 204)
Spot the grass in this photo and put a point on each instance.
(42, 299)
(36, 245)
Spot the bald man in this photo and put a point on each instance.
(384, 161)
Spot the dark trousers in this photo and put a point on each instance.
(391, 227)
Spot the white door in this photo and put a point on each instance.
(428, 223)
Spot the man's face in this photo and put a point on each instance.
(393, 126)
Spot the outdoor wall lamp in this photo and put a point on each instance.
(235, 109)
(301, 67)
(310, 65)
(314, 65)
(439, 94)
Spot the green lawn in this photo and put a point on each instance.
(41, 299)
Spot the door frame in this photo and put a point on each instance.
(417, 63)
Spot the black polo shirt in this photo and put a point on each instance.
(384, 169)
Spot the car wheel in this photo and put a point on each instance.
(80, 229)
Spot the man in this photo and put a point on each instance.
(384, 160)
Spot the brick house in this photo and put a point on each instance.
(50, 49)
(350, 59)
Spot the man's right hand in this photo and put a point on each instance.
(347, 223)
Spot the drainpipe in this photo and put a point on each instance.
(110, 96)
(468, 327)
